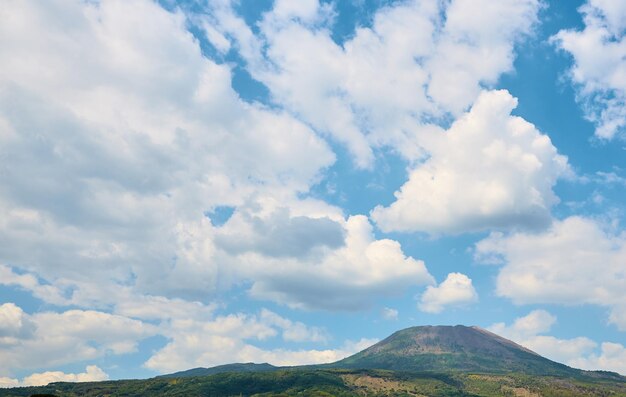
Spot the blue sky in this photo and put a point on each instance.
(197, 183)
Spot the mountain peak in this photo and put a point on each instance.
(456, 348)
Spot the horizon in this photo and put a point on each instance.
(192, 183)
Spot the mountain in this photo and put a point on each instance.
(453, 348)
(237, 367)
(434, 349)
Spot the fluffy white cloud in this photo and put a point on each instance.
(8, 382)
(612, 357)
(599, 69)
(419, 60)
(280, 234)
(489, 170)
(389, 313)
(148, 307)
(47, 293)
(528, 330)
(303, 254)
(294, 331)
(92, 374)
(136, 135)
(196, 338)
(231, 338)
(579, 352)
(49, 338)
(576, 261)
(346, 278)
(455, 290)
(535, 322)
(14, 324)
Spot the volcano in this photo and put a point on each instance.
(452, 348)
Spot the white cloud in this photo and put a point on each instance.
(389, 313)
(612, 357)
(14, 324)
(294, 331)
(195, 337)
(303, 254)
(579, 352)
(476, 47)
(136, 136)
(305, 11)
(92, 374)
(419, 60)
(489, 170)
(148, 307)
(8, 382)
(455, 290)
(528, 331)
(280, 234)
(347, 278)
(136, 146)
(576, 261)
(535, 322)
(47, 293)
(599, 69)
(48, 338)
(231, 338)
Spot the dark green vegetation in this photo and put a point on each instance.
(338, 382)
(238, 367)
(419, 361)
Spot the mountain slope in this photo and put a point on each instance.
(335, 382)
(237, 367)
(452, 348)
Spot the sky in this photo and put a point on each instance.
(193, 183)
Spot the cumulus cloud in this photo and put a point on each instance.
(136, 148)
(302, 254)
(418, 60)
(92, 374)
(14, 324)
(576, 261)
(334, 264)
(599, 67)
(149, 307)
(49, 338)
(612, 357)
(346, 278)
(232, 338)
(136, 136)
(294, 331)
(280, 234)
(579, 352)
(8, 382)
(455, 290)
(26, 281)
(535, 322)
(196, 337)
(489, 170)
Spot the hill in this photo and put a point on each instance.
(237, 367)
(336, 382)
